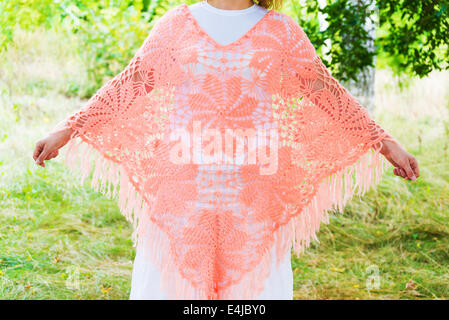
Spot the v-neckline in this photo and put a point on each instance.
(209, 37)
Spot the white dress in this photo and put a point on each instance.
(224, 26)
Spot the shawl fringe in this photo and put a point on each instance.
(334, 192)
(111, 180)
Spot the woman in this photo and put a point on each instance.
(219, 226)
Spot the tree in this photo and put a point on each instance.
(411, 36)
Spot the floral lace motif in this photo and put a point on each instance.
(216, 223)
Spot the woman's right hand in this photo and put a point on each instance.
(48, 147)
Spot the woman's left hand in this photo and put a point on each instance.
(406, 165)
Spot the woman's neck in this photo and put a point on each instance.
(231, 4)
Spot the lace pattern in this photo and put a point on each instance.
(212, 224)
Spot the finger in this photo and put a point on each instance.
(42, 157)
(37, 150)
(396, 171)
(414, 165)
(402, 172)
(409, 171)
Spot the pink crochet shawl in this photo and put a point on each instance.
(211, 227)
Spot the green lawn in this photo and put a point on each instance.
(61, 240)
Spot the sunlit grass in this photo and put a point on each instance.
(61, 240)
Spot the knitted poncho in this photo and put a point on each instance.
(282, 143)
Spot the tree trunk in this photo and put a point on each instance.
(364, 88)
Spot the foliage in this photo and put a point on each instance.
(346, 30)
(108, 32)
(109, 35)
(26, 14)
(412, 35)
(417, 36)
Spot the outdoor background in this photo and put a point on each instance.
(61, 240)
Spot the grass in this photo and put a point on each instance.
(55, 234)
(61, 240)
